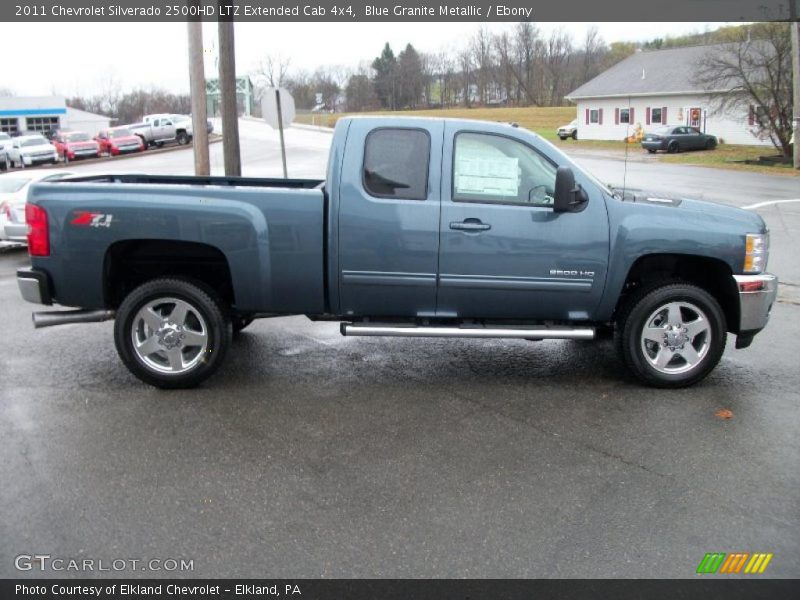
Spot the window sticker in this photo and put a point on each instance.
(496, 176)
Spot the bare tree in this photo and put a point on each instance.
(594, 48)
(754, 74)
(559, 50)
(465, 62)
(483, 60)
(272, 71)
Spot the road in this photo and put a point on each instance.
(314, 455)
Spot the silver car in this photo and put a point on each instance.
(5, 144)
(13, 194)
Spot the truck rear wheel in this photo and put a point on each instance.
(171, 333)
(672, 335)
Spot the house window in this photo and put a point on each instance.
(655, 116)
(9, 125)
(624, 115)
(594, 116)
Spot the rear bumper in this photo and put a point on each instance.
(34, 286)
(654, 145)
(17, 232)
(757, 294)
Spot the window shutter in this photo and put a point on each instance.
(751, 115)
(587, 116)
(631, 120)
(664, 115)
(600, 117)
(647, 116)
(616, 116)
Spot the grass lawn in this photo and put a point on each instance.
(545, 121)
(726, 157)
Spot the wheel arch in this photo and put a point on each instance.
(130, 263)
(711, 274)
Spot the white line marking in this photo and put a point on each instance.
(762, 204)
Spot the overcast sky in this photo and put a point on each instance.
(78, 59)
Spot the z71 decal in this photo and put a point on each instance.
(85, 218)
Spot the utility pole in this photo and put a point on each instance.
(794, 23)
(197, 85)
(227, 84)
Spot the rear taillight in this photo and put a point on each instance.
(38, 235)
(6, 208)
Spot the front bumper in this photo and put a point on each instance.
(34, 286)
(757, 294)
(34, 160)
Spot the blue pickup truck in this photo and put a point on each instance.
(422, 227)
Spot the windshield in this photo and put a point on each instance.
(34, 142)
(118, 133)
(9, 185)
(77, 137)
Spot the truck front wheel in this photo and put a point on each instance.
(672, 335)
(171, 333)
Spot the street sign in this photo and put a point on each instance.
(269, 107)
(277, 107)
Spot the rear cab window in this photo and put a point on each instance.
(396, 163)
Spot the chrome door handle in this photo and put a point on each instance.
(470, 225)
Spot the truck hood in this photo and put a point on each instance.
(713, 211)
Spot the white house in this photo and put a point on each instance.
(654, 88)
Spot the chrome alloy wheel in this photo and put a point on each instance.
(676, 337)
(169, 335)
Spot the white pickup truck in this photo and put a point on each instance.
(161, 129)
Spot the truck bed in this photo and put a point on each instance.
(268, 233)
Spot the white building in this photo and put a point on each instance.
(44, 113)
(654, 88)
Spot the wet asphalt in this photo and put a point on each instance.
(314, 455)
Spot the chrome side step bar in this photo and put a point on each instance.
(518, 332)
(65, 317)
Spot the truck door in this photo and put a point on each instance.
(504, 253)
(389, 199)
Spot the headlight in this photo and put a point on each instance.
(756, 252)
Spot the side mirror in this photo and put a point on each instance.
(568, 196)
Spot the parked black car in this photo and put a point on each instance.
(677, 139)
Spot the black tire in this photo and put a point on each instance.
(206, 320)
(574, 135)
(673, 147)
(4, 164)
(182, 138)
(639, 354)
(562, 138)
(651, 151)
(710, 145)
(239, 322)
